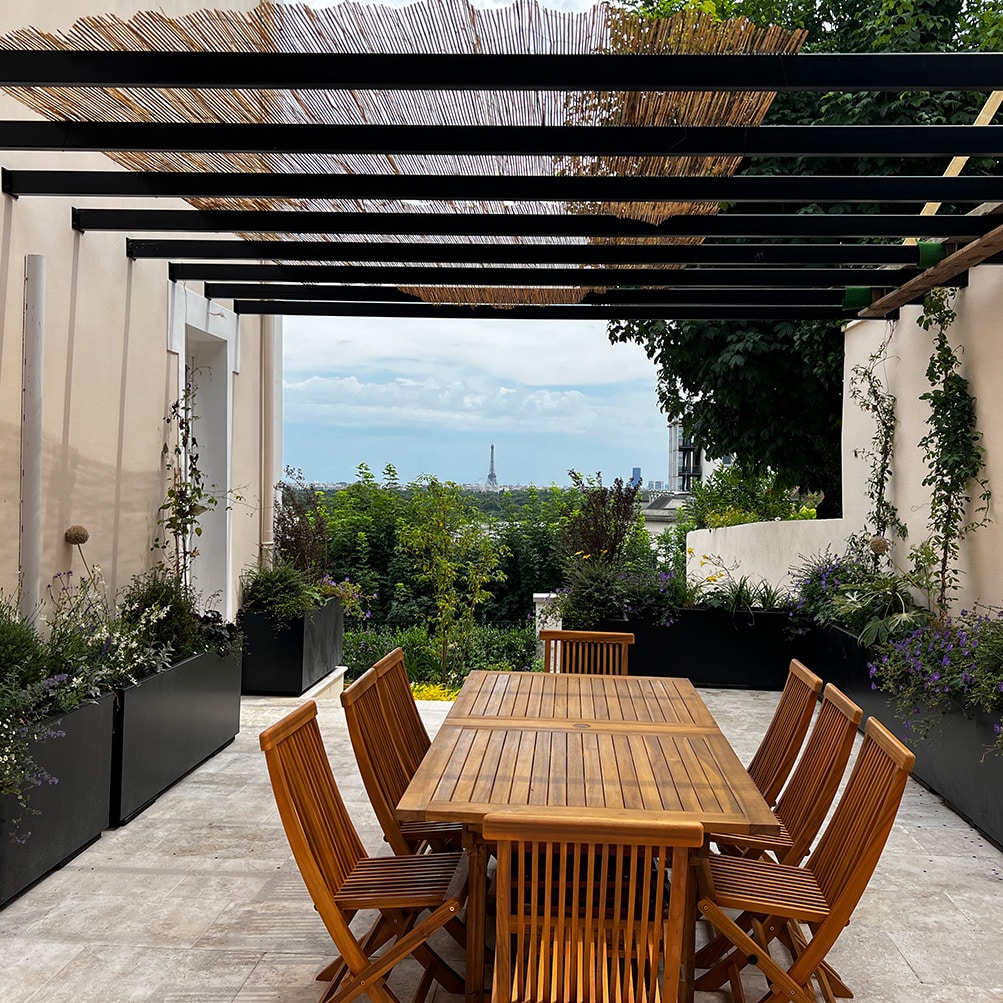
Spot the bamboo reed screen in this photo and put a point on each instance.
(427, 26)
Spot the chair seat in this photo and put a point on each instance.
(734, 845)
(765, 887)
(417, 882)
(436, 833)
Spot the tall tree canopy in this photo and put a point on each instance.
(771, 392)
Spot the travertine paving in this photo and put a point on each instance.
(198, 899)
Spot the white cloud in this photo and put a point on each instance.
(532, 353)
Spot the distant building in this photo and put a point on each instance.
(635, 477)
(491, 484)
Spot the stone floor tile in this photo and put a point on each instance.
(199, 899)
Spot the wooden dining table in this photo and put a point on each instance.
(609, 744)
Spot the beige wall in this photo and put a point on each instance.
(109, 373)
(766, 550)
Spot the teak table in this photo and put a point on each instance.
(613, 744)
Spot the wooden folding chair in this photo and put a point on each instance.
(343, 880)
(591, 652)
(408, 730)
(376, 742)
(584, 913)
(804, 802)
(822, 894)
(771, 765)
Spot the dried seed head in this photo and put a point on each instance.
(76, 535)
(878, 545)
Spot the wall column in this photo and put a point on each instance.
(32, 370)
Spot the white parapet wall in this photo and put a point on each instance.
(764, 551)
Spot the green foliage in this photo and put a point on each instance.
(869, 392)
(603, 521)
(281, 592)
(457, 556)
(769, 393)
(734, 495)
(188, 496)
(179, 630)
(952, 449)
(300, 526)
(490, 647)
(957, 662)
(846, 590)
(362, 545)
(529, 531)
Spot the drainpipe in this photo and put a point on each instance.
(30, 523)
(271, 430)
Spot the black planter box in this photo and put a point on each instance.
(70, 813)
(955, 760)
(289, 660)
(169, 723)
(713, 647)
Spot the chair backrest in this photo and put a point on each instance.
(805, 801)
(374, 742)
(771, 765)
(848, 851)
(408, 731)
(583, 908)
(320, 832)
(591, 652)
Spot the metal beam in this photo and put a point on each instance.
(719, 278)
(801, 189)
(653, 297)
(513, 140)
(980, 71)
(871, 225)
(436, 310)
(535, 254)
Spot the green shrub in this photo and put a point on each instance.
(281, 592)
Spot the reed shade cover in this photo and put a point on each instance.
(430, 26)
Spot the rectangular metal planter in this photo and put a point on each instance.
(288, 660)
(714, 647)
(955, 760)
(65, 816)
(169, 723)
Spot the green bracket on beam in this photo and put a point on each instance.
(857, 297)
(930, 253)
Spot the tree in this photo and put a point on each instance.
(771, 393)
(455, 553)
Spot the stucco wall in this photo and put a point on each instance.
(109, 373)
(766, 550)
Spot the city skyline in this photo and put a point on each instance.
(431, 397)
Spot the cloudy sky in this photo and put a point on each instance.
(432, 396)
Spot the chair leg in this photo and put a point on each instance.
(748, 951)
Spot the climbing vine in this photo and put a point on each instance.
(868, 390)
(952, 449)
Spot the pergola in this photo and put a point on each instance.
(441, 161)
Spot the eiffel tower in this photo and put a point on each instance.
(491, 484)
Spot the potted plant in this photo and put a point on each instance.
(55, 755)
(945, 682)
(169, 721)
(293, 631)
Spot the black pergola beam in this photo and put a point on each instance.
(528, 254)
(652, 297)
(450, 310)
(512, 140)
(790, 190)
(723, 278)
(405, 71)
(820, 225)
